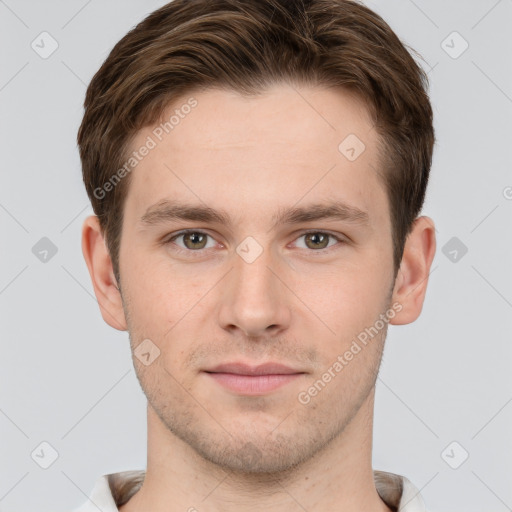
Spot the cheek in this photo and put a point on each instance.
(338, 389)
(159, 294)
(168, 310)
(346, 299)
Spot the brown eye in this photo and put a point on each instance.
(194, 240)
(191, 241)
(317, 240)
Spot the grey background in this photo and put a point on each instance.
(67, 378)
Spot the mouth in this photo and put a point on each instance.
(244, 379)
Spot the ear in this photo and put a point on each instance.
(412, 277)
(102, 274)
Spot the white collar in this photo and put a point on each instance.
(396, 490)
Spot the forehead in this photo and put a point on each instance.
(285, 145)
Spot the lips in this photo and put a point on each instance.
(244, 379)
(262, 369)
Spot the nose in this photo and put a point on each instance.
(254, 300)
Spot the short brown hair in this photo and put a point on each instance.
(247, 45)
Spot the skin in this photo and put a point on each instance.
(299, 303)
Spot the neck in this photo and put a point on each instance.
(339, 477)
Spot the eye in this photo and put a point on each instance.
(318, 240)
(196, 241)
(192, 240)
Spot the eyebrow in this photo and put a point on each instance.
(167, 211)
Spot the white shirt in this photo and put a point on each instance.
(395, 490)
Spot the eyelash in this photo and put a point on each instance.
(199, 252)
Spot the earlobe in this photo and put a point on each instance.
(100, 268)
(412, 278)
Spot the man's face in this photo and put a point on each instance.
(255, 287)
